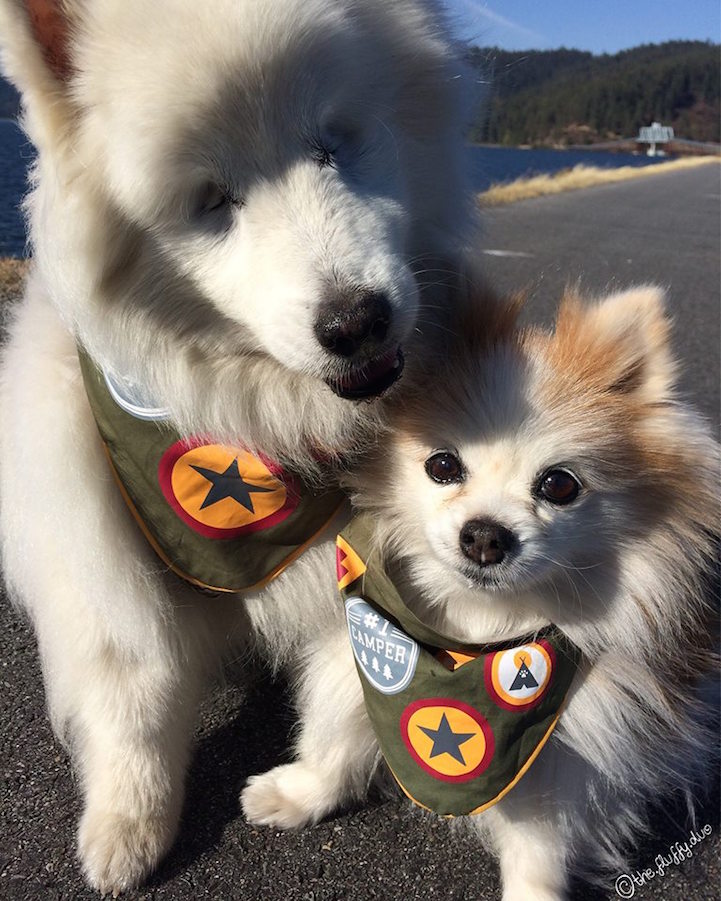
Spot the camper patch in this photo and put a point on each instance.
(386, 656)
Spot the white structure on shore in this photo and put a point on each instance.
(655, 134)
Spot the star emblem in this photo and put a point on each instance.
(230, 484)
(446, 741)
(447, 738)
(225, 492)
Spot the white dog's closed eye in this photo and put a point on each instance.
(213, 198)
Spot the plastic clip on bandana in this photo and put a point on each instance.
(219, 517)
(458, 728)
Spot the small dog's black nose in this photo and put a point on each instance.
(486, 541)
(344, 327)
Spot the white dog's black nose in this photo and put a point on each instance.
(345, 327)
(486, 542)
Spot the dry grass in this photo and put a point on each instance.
(12, 273)
(581, 177)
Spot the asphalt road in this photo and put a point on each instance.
(663, 229)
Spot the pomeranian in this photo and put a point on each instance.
(526, 594)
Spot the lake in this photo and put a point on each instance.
(488, 165)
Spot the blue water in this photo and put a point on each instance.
(16, 154)
(500, 164)
(488, 165)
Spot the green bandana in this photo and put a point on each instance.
(219, 517)
(458, 725)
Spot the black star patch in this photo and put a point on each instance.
(229, 484)
(446, 741)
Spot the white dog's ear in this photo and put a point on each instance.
(35, 52)
(621, 344)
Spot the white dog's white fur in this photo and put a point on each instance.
(623, 571)
(208, 175)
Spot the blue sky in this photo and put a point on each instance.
(603, 27)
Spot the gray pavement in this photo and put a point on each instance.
(663, 229)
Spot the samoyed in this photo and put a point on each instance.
(239, 211)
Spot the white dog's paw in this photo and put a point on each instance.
(118, 852)
(287, 797)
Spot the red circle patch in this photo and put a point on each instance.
(223, 492)
(447, 738)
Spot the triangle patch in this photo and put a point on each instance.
(349, 565)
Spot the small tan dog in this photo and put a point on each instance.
(534, 478)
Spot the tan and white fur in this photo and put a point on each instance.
(623, 568)
(212, 180)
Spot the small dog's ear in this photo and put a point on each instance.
(622, 344)
(480, 317)
(35, 53)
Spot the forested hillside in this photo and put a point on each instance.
(573, 97)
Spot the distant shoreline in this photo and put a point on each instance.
(625, 147)
(580, 176)
(679, 149)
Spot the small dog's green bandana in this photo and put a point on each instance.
(220, 517)
(458, 725)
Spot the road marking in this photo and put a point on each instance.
(507, 253)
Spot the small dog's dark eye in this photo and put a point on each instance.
(558, 486)
(445, 468)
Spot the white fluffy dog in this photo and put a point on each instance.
(235, 206)
(529, 478)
